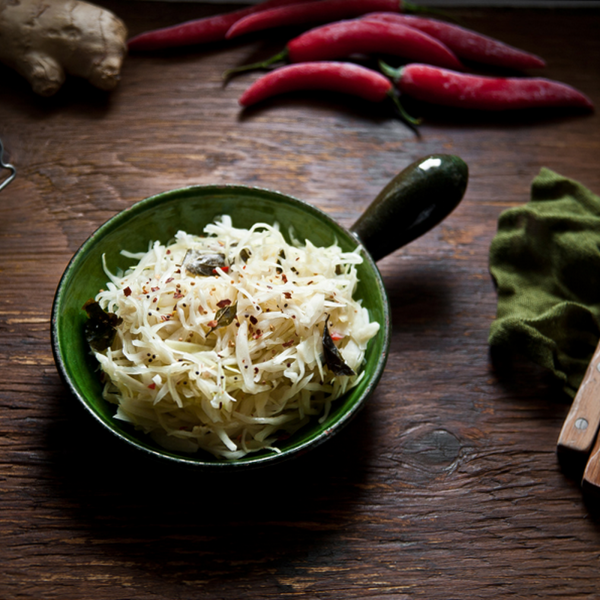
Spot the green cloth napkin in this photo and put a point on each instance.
(545, 262)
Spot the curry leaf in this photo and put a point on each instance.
(332, 357)
(203, 263)
(224, 316)
(100, 327)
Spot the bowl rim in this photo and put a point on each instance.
(250, 460)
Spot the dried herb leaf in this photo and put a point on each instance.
(203, 263)
(245, 254)
(224, 316)
(100, 327)
(332, 357)
(278, 269)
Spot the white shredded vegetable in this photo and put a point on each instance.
(231, 362)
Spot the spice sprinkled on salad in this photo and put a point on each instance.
(231, 341)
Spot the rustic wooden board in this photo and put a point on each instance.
(446, 486)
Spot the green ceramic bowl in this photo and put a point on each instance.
(159, 218)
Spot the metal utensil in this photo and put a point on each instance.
(3, 165)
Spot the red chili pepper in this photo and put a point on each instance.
(449, 88)
(200, 31)
(320, 11)
(340, 77)
(343, 77)
(465, 43)
(346, 38)
(152, 386)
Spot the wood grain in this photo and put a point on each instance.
(447, 486)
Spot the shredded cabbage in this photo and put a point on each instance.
(231, 362)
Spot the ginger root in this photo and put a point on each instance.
(45, 39)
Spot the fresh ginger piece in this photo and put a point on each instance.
(43, 40)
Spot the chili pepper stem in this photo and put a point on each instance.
(394, 75)
(281, 56)
(403, 114)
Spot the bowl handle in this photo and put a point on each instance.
(412, 203)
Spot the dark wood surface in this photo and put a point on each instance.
(447, 486)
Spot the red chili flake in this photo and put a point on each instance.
(287, 344)
(224, 269)
(223, 303)
(155, 300)
(212, 324)
(288, 295)
(335, 336)
(154, 289)
(177, 295)
(169, 280)
(127, 291)
(284, 278)
(152, 386)
(257, 334)
(168, 252)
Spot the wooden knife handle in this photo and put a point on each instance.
(582, 423)
(590, 483)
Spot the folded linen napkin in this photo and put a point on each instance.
(545, 263)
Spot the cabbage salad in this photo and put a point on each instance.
(231, 341)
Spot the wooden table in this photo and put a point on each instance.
(447, 485)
